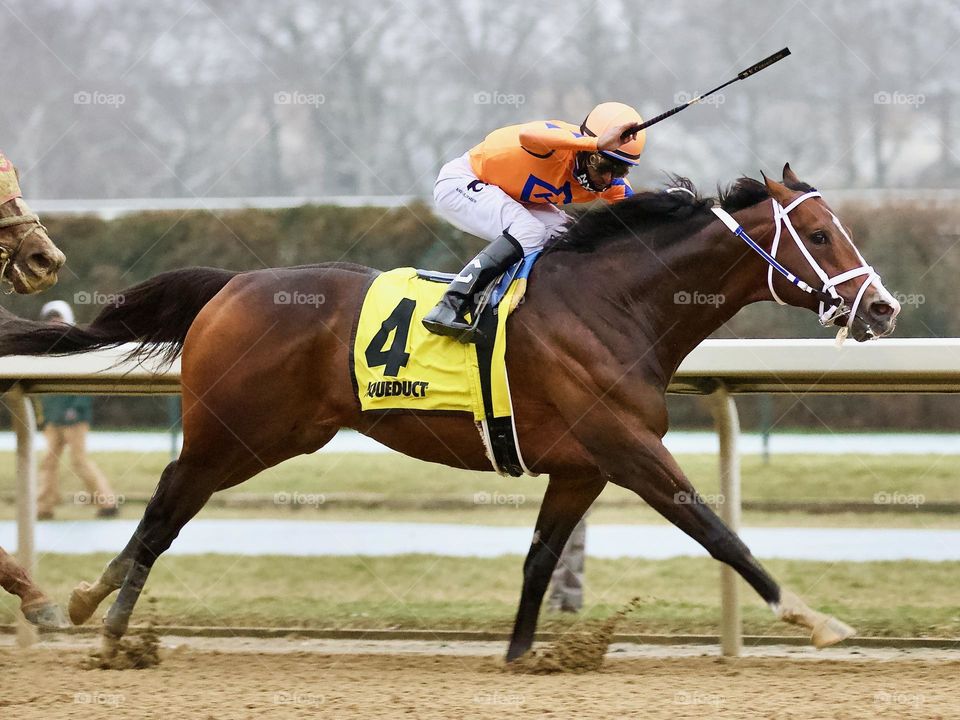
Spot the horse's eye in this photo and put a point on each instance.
(819, 237)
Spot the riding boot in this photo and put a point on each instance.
(449, 315)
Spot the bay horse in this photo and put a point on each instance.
(592, 348)
(29, 263)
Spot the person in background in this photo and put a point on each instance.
(66, 422)
(566, 584)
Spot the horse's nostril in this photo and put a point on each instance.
(42, 262)
(881, 310)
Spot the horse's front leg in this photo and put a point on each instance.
(36, 607)
(566, 500)
(651, 472)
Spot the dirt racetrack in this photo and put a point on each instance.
(270, 679)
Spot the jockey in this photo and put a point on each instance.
(506, 191)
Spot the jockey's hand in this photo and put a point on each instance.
(613, 137)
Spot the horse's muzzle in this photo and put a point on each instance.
(876, 317)
(35, 267)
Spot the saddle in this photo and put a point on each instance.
(492, 296)
(398, 366)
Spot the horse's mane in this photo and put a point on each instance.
(675, 212)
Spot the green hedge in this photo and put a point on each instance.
(107, 256)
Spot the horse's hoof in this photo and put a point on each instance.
(830, 631)
(80, 607)
(48, 616)
(109, 644)
(515, 653)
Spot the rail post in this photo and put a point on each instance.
(727, 422)
(24, 424)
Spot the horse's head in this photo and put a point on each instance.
(811, 242)
(29, 260)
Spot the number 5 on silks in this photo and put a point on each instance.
(394, 357)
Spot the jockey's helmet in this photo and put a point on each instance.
(610, 114)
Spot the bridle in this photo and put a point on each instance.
(6, 255)
(831, 305)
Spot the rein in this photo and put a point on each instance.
(831, 304)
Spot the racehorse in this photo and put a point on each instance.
(29, 262)
(592, 348)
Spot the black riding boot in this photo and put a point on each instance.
(448, 317)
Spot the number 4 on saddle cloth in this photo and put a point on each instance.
(399, 366)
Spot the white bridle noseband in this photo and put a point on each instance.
(831, 304)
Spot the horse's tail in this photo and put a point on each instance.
(156, 314)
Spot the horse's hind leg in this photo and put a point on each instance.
(185, 487)
(86, 598)
(565, 502)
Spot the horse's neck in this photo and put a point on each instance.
(650, 308)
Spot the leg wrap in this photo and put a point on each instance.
(118, 617)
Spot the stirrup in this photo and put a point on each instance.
(471, 333)
(440, 328)
(481, 272)
(462, 334)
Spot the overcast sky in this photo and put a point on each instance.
(189, 98)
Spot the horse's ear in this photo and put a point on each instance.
(789, 176)
(778, 191)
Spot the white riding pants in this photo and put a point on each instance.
(487, 211)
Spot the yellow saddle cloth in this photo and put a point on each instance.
(399, 365)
